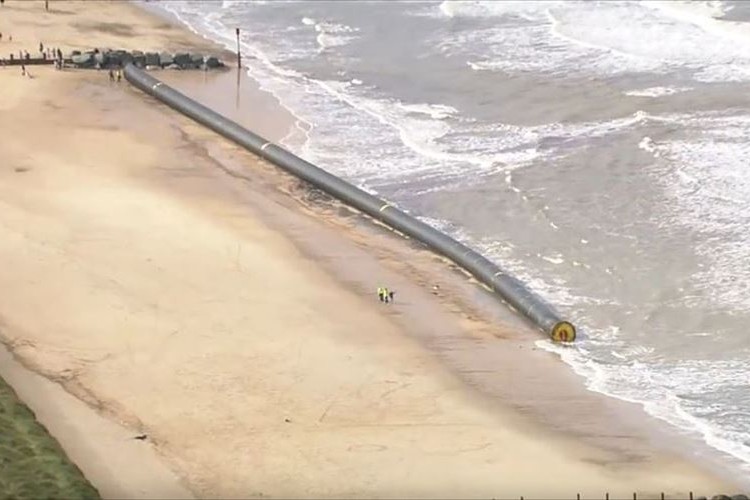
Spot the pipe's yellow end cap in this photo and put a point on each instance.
(563, 332)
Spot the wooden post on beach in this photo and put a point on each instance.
(237, 97)
(239, 55)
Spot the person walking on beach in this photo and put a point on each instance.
(23, 70)
(391, 293)
(380, 294)
(385, 295)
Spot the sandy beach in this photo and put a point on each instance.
(184, 289)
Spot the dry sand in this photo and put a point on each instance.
(184, 289)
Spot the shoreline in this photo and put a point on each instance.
(687, 444)
(244, 83)
(370, 251)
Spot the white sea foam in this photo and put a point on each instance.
(706, 16)
(504, 252)
(419, 127)
(613, 38)
(647, 144)
(271, 77)
(333, 34)
(723, 73)
(228, 4)
(330, 27)
(447, 8)
(435, 111)
(527, 9)
(553, 260)
(708, 184)
(657, 91)
(327, 41)
(663, 390)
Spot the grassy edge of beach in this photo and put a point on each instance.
(32, 462)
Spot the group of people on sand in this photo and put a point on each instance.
(115, 75)
(385, 295)
(46, 53)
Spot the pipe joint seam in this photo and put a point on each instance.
(511, 290)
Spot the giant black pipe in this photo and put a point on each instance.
(510, 289)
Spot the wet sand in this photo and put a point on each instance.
(187, 290)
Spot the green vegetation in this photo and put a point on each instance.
(32, 463)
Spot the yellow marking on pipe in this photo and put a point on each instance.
(384, 207)
(563, 332)
(156, 85)
(264, 146)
